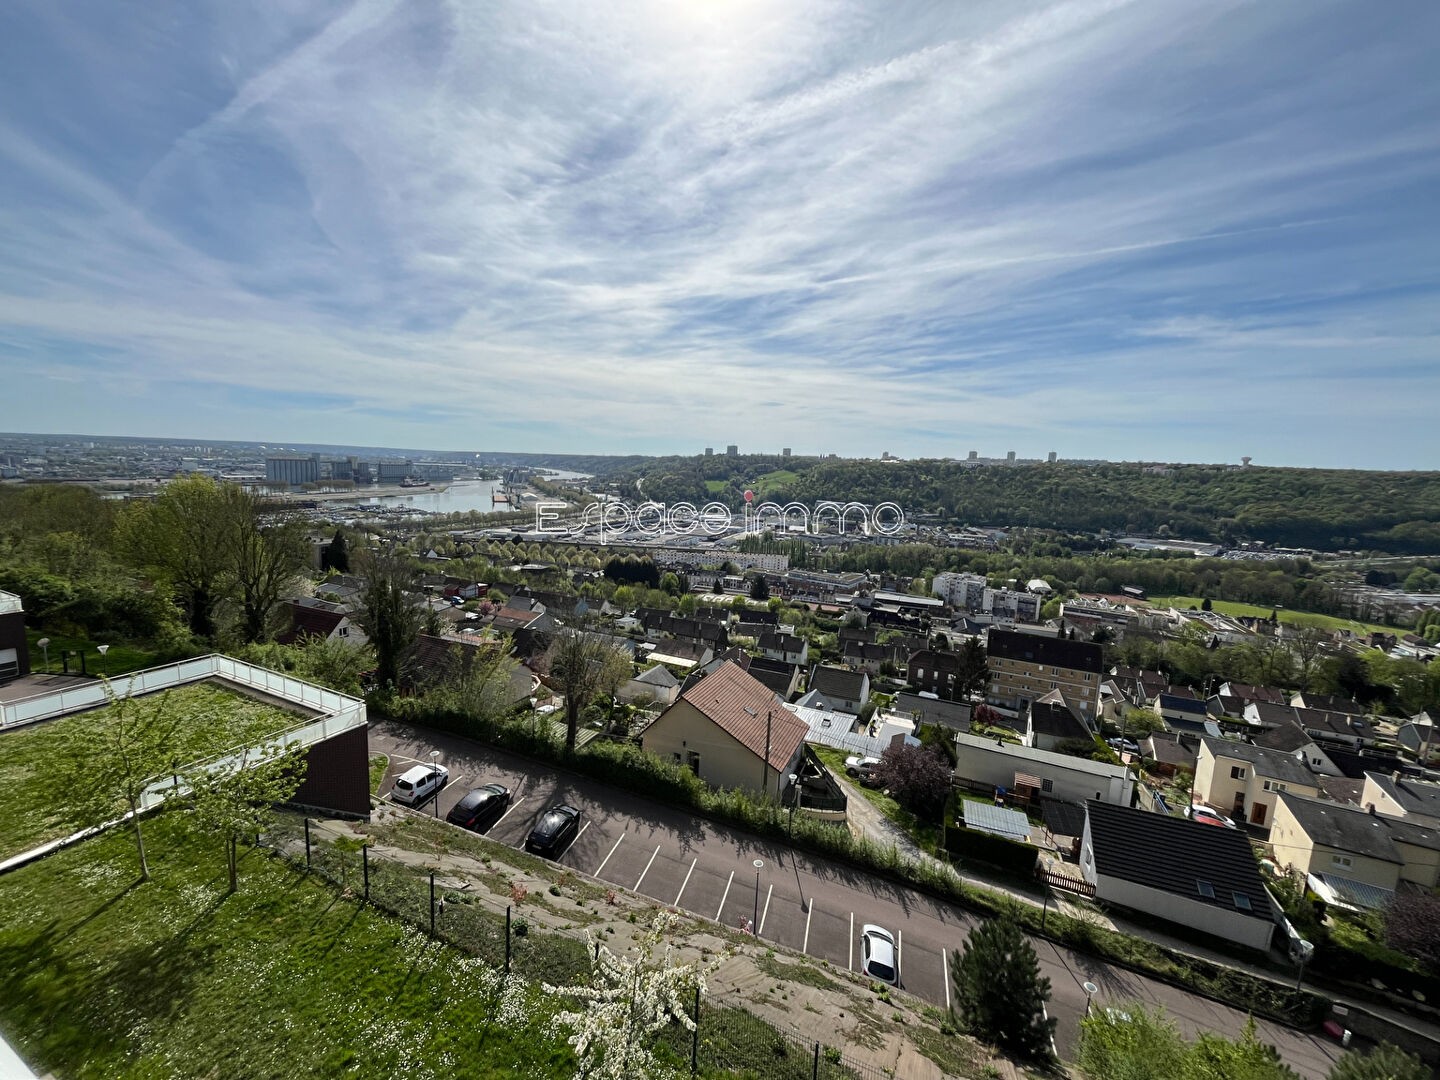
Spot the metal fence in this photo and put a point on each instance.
(727, 1037)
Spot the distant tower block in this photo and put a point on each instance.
(785, 452)
(1010, 458)
(974, 455)
(1245, 462)
(732, 450)
(709, 451)
(1051, 457)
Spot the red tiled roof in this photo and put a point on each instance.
(744, 707)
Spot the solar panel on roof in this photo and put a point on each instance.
(997, 820)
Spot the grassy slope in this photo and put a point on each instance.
(927, 835)
(1232, 607)
(222, 720)
(107, 978)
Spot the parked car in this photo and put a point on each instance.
(1125, 746)
(877, 954)
(1206, 816)
(862, 768)
(557, 827)
(480, 807)
(419, 783)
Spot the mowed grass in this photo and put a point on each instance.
(106, 977)
(32, 812)
(1233, 607)
(118, 660)
(775, 480)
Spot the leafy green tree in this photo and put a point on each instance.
(182, 535)
(105, 768)
(759, 588)
(974, 674)
(1129, 1042)
(1000, 994)
(262, 558)
(237, 797)
(1385, 1062)
(389, 615)
(336, 555)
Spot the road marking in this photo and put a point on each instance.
(508, 811)
(945, 973)
(647, 868)
(574, 842)
(761, 928)
(899, 953)
(805, 945)
(724, 896)
(686, 881)
(850, 963)
(605, 860)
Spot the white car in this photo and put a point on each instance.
(1206, 816)
(877, 955)
(862, 768)
(419, 783)
(546, 710)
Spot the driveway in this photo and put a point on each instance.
(792, 899)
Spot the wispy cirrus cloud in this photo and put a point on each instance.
(840, 226)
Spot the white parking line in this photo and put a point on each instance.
(601, 867)
(945, 973)
(850, 963)
(575, 841)
(899, 952)
(724, 896)
(647, 868)
(686, 881)
(508, 811)
(805, 945)
(761, 928)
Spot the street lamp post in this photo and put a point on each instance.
(1090, 991)
(44, 644)
(755, 923)
(102, 650)
(794, 800)
(1306, 948)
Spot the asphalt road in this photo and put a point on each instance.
(795, 900)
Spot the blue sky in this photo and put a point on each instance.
(1156, 230)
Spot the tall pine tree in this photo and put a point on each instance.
(1000, 994)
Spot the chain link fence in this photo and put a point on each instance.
(727, 1038)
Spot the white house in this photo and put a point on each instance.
(992, 763)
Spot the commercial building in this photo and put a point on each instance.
(292, 469)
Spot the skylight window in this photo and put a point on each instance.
(1205, 889)
(1242, 902)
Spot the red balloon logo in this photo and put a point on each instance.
(749, 496)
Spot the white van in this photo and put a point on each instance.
(420, 783)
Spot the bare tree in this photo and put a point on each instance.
(583, 665)
(1307, 642)
(262, 559)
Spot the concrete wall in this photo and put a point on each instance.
(1211, 919)
(12, 636)
(984, 762)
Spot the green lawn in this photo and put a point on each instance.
(927, 835)
(716, 486)
(379, 763)
(775, 480)
(118, 660)
(1232, 607)
(109, 978)
(31, 813)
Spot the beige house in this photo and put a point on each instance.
(732, 731)
(1337, 845)
(655, 684)
(1399, 796)
(1245, 781)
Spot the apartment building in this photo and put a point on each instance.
(1025, 667)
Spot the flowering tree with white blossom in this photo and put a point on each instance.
(627, 1000)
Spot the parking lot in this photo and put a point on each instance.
(802, 902)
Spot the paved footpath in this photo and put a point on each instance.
(793, 899)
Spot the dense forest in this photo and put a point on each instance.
(1325, 509)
